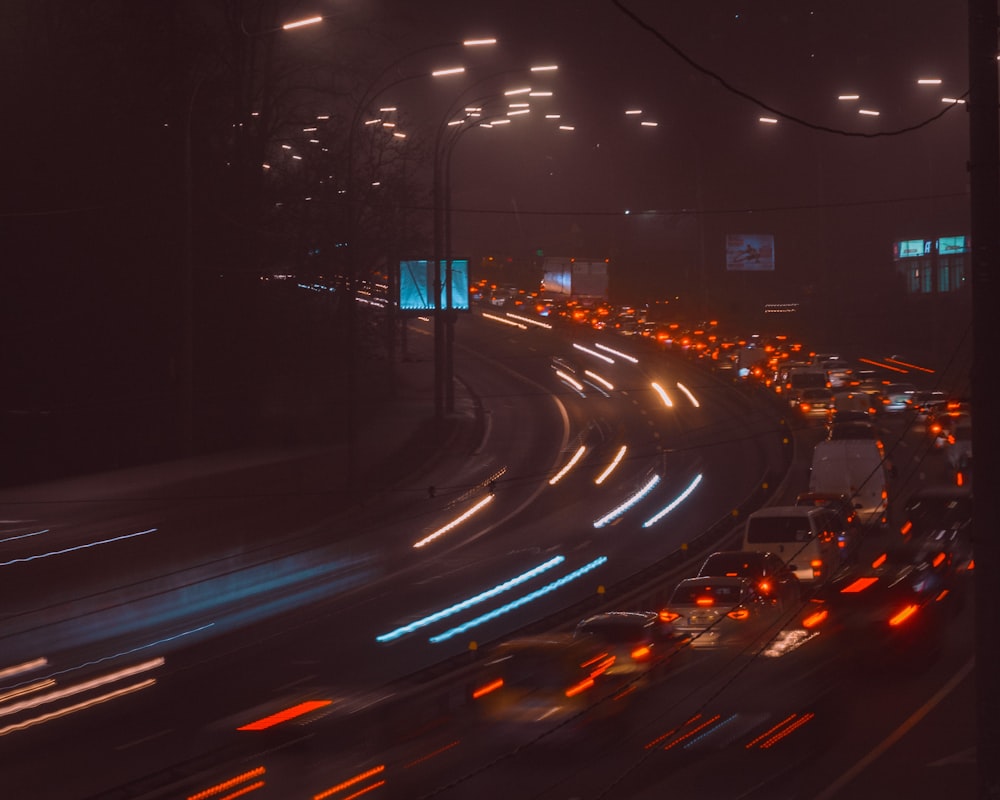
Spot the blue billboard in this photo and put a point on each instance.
(750, 252)
(416, 285)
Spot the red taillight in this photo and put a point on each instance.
(705, 601)
(817, 567)
(903, 615)
(578, 688)
(907, 527)
(492, 686)
(765, 587)
(805, 407)
(668, 616)
(878, 562)
(814, 619)
(739, 614)
(641, 653)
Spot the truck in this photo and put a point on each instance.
(581, 279)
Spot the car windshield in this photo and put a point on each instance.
(731, 564)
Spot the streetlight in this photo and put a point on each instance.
(374, 88)
(444, 324)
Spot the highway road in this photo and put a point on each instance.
(188, 615)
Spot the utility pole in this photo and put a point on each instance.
(984, 182)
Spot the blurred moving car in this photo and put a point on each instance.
(770, 574)
(535, 683)
(933, 509)
(839, 503)
(720, 611)
(639, 641)
(853, 429)
(924, 402)
(958, 446)
(896, 605)
(898, 397)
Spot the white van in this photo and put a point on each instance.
(856, 468)
(812, 540)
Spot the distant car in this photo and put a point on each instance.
(854, 429)
(639, 641)
(898, 397)
(941, 424)
(924, 402)
(814, 403)
(770, 574)
(958, 445)
(839, 503)
(719, 611)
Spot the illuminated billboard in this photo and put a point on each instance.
(416, 285)
(952, 245)
(750, 252)
(912, 248)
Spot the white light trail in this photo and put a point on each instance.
(449, 71)
(545, 68)
(567, 127)
(663, 395)
(505, 321)
(619, 353)
(617, 512)
(477, 42)
(62, 712)
(672, 505)
(457, 521)
(500, 588)
(570, 380)
(512, 92)
(593, 353)
(606, 384)
(611, 467)
(300, 23)
(633, 111)
(521, 601)
(25, 666)
(768, 120)
(648, 124)
(690, 396)
(868, 112)
(77, 547)
(84, 686)
(24, 536)
(569, 464)
(529, 321)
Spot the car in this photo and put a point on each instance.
(814, 403)
(924, 401)
(769, 573)
(936, 508)
(720, 612)
(892, 608)
(940, 424)
(839, 503)
(530, 685)
(853, 429)
(813, 541)
(639, 641)
(898, 397)
(958, 446)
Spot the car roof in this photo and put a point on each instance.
(717, 580)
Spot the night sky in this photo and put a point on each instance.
(100, 96)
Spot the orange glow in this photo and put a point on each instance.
(907, 527)
(972, 564)
(433, 753)
(593, 660)
(489, 687)
(769, 731)
(765, 587)
(693, 731)
(367, 789)
(229, 784)
(705, 601)
(878, 562)
(283, 716)
(959, 479)
(942, 596)
(938, 559)
(782, 734)
(243, 790)
(911, 366)
(350, 782)
(579, 688)
(739, 614)
(815, 619)
(668, 616)
(859, 585)
(641, 653)
(903, 615)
